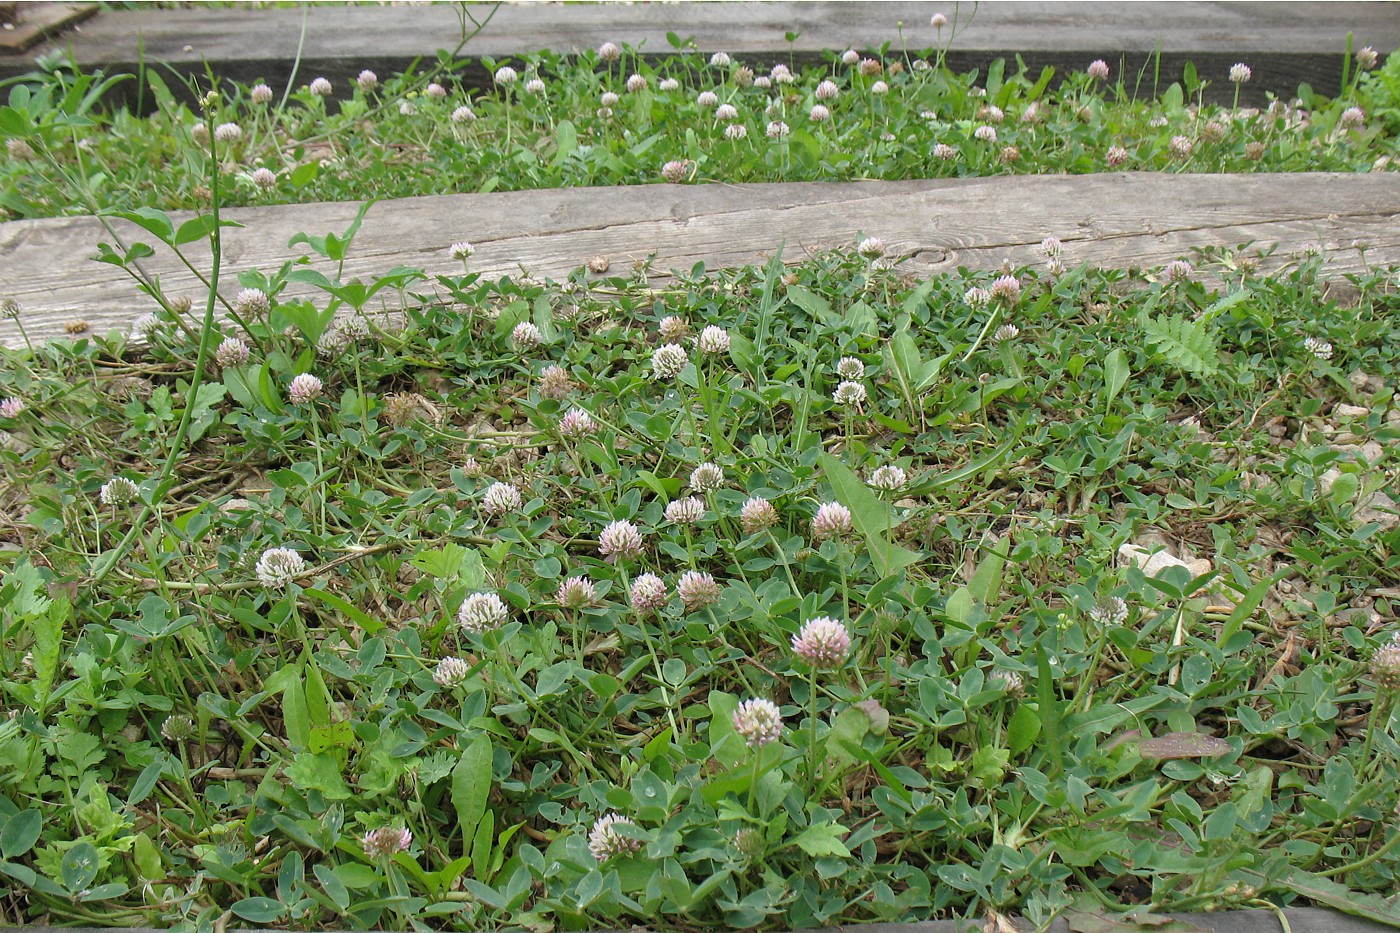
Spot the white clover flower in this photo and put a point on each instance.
(721, 60)
(1318, 347)
(707, 477)
(279, 566)
(726, 112)
(636, 84)
(506, 76)
(707, 99)
(1006, 332)
(463, 114)
(367, 80)
(500, 499)
(832, 521)
(1240, 73)
(304, 389)
(118, 491)
(1112, 610)
(849, 393)
(822, 642)
(713, 340)
(757, 515)
(685, 511)
(320, 87)
(228, 132)
(758, 722)
(850, 369)
(736, 131)
(827, 90)
(605, 842)
(889, 477)
(525, 336)
(576, 593)
(482, 612)
(451, 672)
(620, 539)
(871, 247)
(668, 361)
(461, 250)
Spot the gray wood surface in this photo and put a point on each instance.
(1285, 43)
(1116, 220)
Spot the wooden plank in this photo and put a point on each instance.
(31, 23)
(1117, 220)
(1284, 43)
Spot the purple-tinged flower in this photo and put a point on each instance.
(938, 21)
(260, 94)
(228, 132)
(577, 423)
(697, 590)
(1366, 58)
(1116, 156)
(609, 52)
(12, 407)
(832, 520)
(1179, 147)
(367, 80)
(675, 171)
(1098, 70)
(1240, 73)
(304, 389)
(872, 247)
(1178, 270)
(252, 302)
(620, 540)
(822, 642)
(944, 152)
(736, 131)
(463, 114)
(685, 511)
(264, 177)
(818, 114)
(555, 383)
(757, 515)
(576, 593)
(1352, 116)
(320, 87)
(648, 593)
(758, 722)
(386, 842)
(525, 336)
(636, 84)
(1385, 665)
(777, 129)
(231, 352)
(827, 90)
(1007, 288)
(850, 57)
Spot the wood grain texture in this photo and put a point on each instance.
(31, 23)
(1284, 43)
(1116, 220)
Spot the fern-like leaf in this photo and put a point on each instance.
(1188, 345)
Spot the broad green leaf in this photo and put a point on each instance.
(20, 833)
(361, 618)
(471, 782)
(260, 910)
(1023, 728)
(1116, 372)
(823, 840)
(872, 518)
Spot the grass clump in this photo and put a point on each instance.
(556, 121)
(774, 597)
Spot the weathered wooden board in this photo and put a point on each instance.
(1284, 43)
(31, 23)
(1118, 220)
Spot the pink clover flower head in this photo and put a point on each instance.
(577, 423)
(697, 590)
(320, 87)
(822, 642)
(1240, 73)
(501, 499)
(819, 114)
(435, 91)
(833, 520)
(977, 297)
(1352, 116)
(1098, 70)
(685, 511)
(450, 672)
(386, 842)
(757, 515)
(736, 131)
(648, 593)
(713, 339)
(279, 566)
(605, 842)
(304, 389)
(758, 722)
(1116, 156)
(231, 352)
(525, 336)
(252, 301)
(576, 593)
(264, 177)
(1178, 270)
(260, 94)
(620, 540)
(367, 80)
(1051, 247)
(12, 407)
(707, 477)
(938, 21)
(482, 612)
(1366, 58)
(461, 250)
(555, 382)
(777, 129)
(944, 152)
(667, 361)
(675, 171)
(849, 394)
(828, 90)
(636, 83)
(118, 491)
(1007, 288)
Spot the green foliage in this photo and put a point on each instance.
(1185, 343)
